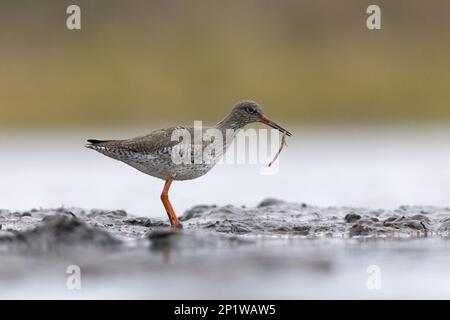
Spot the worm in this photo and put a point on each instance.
(283, 143)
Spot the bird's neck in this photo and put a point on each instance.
(229, 123)
(229, 127)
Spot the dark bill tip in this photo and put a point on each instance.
(272, 124)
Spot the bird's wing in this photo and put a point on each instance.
(158, 141)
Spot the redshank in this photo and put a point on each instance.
(153, 153)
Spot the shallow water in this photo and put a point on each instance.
(307, 269)
(368, 167)
(325, 244)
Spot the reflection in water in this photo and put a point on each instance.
(294, 269)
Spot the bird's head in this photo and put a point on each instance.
(247, 111)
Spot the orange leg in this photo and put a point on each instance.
(174, 222)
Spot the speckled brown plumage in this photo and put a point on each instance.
(152, 153)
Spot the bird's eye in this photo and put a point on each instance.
(250, 110)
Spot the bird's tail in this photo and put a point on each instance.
(94, 143)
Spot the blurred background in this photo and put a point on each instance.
(369, 109)
(165, 61)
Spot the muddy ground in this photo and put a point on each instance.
(75, 226)
(275, 250)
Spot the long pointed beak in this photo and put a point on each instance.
(272, 124)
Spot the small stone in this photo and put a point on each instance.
(352, 217)
(301, 230)
(240, 228)
(145, 222)
(111, 214)
(417, 225)
(270, 202)
(196, 211)
(117, 213)
(360, 230)
(390, 219)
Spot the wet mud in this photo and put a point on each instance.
(44, 229)
(276, 250)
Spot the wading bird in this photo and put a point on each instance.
(153, 153)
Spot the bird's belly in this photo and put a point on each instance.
(166, 169)
(188, 172)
